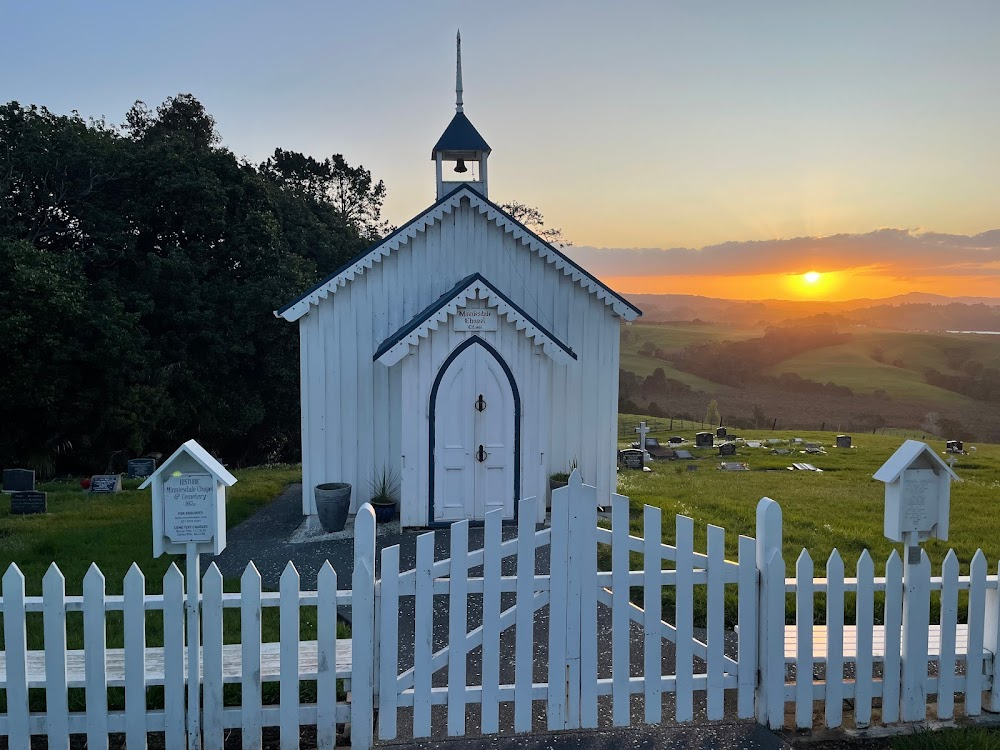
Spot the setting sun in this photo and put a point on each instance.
(812, 277)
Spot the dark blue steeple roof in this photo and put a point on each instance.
(460, 135)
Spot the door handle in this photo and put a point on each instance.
(480, 403)
(481, 454)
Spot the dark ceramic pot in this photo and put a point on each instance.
(333, 503)
(384, 512)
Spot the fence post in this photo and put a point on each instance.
(991, 639)
(363, 630)
(916, 619)
(771, 613)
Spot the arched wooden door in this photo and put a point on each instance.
(474, 445)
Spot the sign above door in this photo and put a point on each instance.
(474, 319)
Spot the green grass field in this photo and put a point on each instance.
(840, 508)
(852, 365)
(671, 337)
(114, 531)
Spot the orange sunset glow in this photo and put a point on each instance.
(831, 286)
(874, 265)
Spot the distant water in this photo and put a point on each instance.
(988, 333)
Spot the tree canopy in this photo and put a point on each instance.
(139, 267)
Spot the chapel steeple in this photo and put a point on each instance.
(460, 143)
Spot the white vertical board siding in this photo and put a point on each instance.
(354, 410)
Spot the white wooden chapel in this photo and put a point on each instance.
(462, 352)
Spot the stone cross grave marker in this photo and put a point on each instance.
(643, 431)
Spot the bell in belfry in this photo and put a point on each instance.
(460, 166)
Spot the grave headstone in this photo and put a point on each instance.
(721, 432)
(676, 439)
(952, 446)
(753, 444)
(843, 441)
(18, 480)
(733, 466)
(631, 458)
(140, 468)
(28, 503)
(682, 454)
(704, 440)
(727, 449)
(774, 441)
(781, 451)
(103, 484)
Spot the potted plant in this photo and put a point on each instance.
(384, 485)
(559, 479)
(333, 503)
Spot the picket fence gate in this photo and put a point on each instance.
(535, 626)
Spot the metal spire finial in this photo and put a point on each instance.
(458, 75)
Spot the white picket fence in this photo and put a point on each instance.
(137, 666)
(577, 653)
(906, 667)
(535, 626)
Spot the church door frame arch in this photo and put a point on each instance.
(432, 416)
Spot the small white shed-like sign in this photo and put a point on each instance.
(189, 502)
(917, 493)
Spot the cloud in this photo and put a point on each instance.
(899, 253)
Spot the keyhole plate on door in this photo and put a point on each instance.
(480, 403)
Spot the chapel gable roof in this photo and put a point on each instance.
(471, 287)
(358, 265)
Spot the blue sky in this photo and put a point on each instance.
(629, 124)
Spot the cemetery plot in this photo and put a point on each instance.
(18, 480)
(105, 483)
(140, 468)
(27, 503)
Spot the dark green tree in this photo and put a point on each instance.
(139, 268)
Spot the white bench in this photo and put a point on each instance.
(232, 665)
(819, 637)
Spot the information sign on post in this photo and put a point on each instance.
(189, 518)
(917, 493)
(917, 505)
(189, 508)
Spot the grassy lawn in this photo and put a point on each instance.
(841, 508)
(114, 531)
(851, 365)
(672, 337)
(969, 738)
